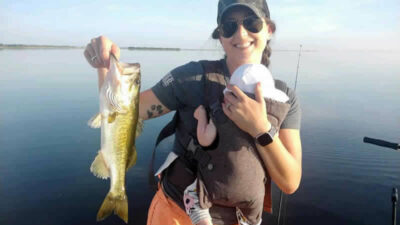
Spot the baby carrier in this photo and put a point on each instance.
(231, 173)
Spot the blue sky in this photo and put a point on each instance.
(323, 24)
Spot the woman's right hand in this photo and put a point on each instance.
(97, 52)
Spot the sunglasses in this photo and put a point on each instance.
(253, 24)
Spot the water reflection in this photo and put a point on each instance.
(47, 96)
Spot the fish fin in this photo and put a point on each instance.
(99, 167)
(112, 117)
(132, 158)
(95, 121)
(121, 208)
(116, 204)
(139, 126)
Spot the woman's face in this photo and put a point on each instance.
(244, 46)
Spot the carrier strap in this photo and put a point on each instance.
(167, 131)
(194, 150)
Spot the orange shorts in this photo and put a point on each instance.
(164, 211)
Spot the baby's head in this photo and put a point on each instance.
(248, 75)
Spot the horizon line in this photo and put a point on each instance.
(43, 46)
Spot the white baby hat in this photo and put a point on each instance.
(248, 75)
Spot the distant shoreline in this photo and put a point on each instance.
(137, 48)
(20, 46)
(152, 48)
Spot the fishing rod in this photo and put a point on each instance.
(382, 143)
(396, 147)
(282, 195)
(298, 64)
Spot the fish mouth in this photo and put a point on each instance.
(126, 69)
(130, 69)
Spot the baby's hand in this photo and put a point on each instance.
(206, 130)
(200, 112)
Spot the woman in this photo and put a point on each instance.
(244, 40)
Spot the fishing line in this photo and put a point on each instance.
(280, 207)
(283, 198)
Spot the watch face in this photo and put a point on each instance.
(264, 139)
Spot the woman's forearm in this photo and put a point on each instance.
(149, 106)
(283, 167)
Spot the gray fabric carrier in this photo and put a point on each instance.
(231, 174)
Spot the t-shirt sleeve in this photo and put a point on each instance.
(293, 118)
(180, 87)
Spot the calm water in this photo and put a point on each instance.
(46, 148)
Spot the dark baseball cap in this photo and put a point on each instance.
(259, 7)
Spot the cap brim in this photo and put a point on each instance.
(252, 8)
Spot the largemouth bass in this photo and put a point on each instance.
(120, 125)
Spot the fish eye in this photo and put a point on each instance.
(137, 81)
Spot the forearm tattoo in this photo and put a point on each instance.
(154, 111)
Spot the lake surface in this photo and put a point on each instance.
(46, 148)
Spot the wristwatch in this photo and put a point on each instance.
(266, 138)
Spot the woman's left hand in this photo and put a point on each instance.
(248, 114)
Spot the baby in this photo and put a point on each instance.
(245, 77)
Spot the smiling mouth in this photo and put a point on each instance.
(243, 46)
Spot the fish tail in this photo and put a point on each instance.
(116, 204)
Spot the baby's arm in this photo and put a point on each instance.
(197, 215)
(206, 130)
